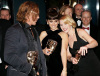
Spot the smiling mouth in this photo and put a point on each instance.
(64, 29)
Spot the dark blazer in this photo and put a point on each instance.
(75, 19)
(98, 48)
(93, 30)
(4, 25)
(94, 34)
(16, 48)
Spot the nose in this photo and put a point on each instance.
(38, 17)
(81, 10)
(5, 17)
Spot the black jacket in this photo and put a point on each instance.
(4, 25)
(16, 48)
(93, 30)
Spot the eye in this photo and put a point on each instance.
(77, 9)
(56, 20)
(51, 21)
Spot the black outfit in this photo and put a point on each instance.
(93, 33)
(98, 48)
(76, 19)
(88, 65)
(41, 28)
(53, 61)
(93, 30)
(4, 25)
(18, 41)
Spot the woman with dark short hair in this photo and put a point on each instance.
(57, 60)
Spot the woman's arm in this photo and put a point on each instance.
(85, 36)
(69, 55)
(70, 58)
(64, 46)
(42, 36)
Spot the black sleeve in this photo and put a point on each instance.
(42, 58)
(10, 51)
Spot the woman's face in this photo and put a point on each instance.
(53, 24)
(68, 11)
(65, 27)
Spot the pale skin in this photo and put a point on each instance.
(86, 18)
(68, 11)
(29, 19)
(78, 10)
(5, 15)
(72, 37)
(53, 26)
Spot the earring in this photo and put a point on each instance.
(71, 27)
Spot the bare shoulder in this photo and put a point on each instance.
(80, 31)
(43, 33)
(63, 35)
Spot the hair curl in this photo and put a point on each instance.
(25, 9)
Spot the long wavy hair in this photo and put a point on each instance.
(25, 9)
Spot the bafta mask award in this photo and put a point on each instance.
(32, 57)
(77, 56)
(51, 44)
(75, 67)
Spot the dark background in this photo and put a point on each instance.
(45, 4)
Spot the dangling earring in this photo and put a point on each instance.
(71, 27)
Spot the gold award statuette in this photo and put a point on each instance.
(32, 57)
(77, 56)
(51, 44)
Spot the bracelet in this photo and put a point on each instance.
(64, 71)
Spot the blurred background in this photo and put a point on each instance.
(13, 5)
